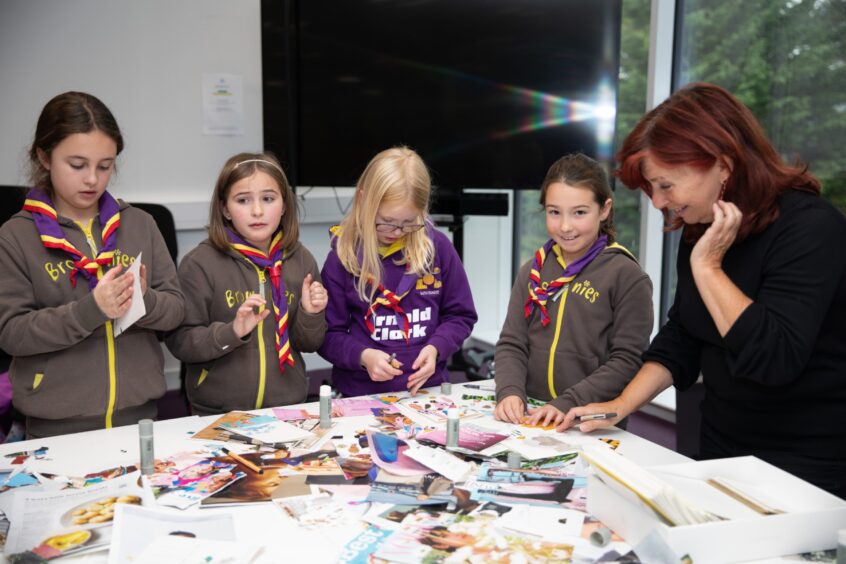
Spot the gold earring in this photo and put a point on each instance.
(723, 188)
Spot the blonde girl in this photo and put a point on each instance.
(401, 303)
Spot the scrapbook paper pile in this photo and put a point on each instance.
(425, 535)
(431, 407)
(187, 478)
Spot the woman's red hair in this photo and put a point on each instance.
(700, 125)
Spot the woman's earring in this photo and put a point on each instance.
(723, 188)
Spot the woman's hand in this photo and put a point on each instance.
(378, 365)
(613, 406)
(709, 251)
(544, 416)
(425, 365)
(251, 313)
(723, 299)
(314, 296)
(511, 410)
(113, 293)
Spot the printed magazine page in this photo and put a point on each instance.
(58, 523)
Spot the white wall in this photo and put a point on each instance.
(145, 60)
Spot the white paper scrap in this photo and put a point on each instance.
(550, 523)
(137, 309)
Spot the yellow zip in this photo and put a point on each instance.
(262, 368)
(110, 333)
(110, 343)
(202, 379)
(550, 369)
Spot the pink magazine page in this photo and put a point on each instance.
(469, 437)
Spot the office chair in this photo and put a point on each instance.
(167, 227)
(11, 201)
(175, 402)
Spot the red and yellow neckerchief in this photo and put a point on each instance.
(272, 263)
(39, 204)
(540, 292)
(389, 299)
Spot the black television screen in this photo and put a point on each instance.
(489, 92)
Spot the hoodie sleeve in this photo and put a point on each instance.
(456, 313)
(629, 336)
(199, 339)
(339, 347)
(307, 329)
(163, 300)
(25, 327)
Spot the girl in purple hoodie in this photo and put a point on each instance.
(400, 303)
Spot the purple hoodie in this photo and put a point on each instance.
(440, 313)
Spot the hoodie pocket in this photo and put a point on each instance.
(205, 386)
(32, 377)
(203, 376)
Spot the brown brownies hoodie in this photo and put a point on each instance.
(67, 363)
(227, 373)
(599, 326)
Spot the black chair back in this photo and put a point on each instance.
(11, 201)
(164, 219)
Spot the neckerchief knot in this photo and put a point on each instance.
(45, 217)
(540, 292)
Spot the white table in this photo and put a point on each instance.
(262, 523)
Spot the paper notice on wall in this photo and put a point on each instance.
(223, 104)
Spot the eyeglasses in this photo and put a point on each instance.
(390, 227)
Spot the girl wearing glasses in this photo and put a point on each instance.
(401, 303)
(253, 297)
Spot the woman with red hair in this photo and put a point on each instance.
(761, 289)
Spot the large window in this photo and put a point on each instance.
(784, 59)
(634, 47)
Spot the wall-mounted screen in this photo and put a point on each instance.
(489, 92)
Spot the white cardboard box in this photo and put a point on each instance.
(810, 520)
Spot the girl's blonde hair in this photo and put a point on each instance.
(396, 175)
(239, 167)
